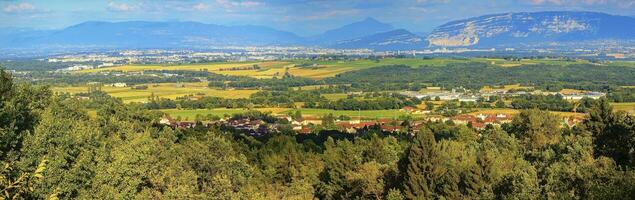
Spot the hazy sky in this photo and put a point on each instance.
(304, 17)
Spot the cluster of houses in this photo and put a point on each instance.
(436, 93)
(306, 124)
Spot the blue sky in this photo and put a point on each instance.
(304, 17)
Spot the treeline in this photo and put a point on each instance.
(48, 78)
(379, 103)
(477, 75)
(52, 148)
(38, 65)
(287, 99)
(622, 94)
(274, 83)
(551, 102)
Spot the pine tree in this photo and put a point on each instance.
(613, 133)
(422, 162)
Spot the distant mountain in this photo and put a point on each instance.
(363, 28)
(399, 39)
(8, 34)
(560, 29)
(519, 29)
(142, 34)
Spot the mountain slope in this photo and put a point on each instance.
(366, 27)
(399, 39)
(517, 29)
(142, 34)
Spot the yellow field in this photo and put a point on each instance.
(335, 96)
(164, 90)
(325, 69)
(627, 107)
(506, 87)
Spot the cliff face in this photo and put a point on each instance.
(513, 29)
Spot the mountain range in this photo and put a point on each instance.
(497, 30)
(518, 29)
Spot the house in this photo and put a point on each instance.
(308, 120)
(464, 119)
(390, 129)
(166, 120)
(119, 85)
(305, 130)
(578, 96)
(184, 125)
(408, 109)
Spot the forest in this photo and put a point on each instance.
(52, 148)
(475, 75)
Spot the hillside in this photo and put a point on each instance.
(354, 30)
(143, 34)
(399, 39)
(518, 29)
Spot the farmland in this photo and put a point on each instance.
(163, 90)
(325, 69)
(627, 107)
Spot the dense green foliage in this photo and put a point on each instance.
(477, 75)
(80, 78)
(53, 148)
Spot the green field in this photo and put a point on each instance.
(163, 90)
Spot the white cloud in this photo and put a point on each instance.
(20, 7)
(228, 4)
(200, 6)
(120, 7)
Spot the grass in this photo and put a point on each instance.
(163, 90)
(335, 96)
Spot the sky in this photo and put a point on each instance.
(303, 17)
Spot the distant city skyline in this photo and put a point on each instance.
(303, 17)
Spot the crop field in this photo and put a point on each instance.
(506, 87)
(335, 96)
(627, 107)
(163, 90)
(325, 69)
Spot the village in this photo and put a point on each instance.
(354, 125)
